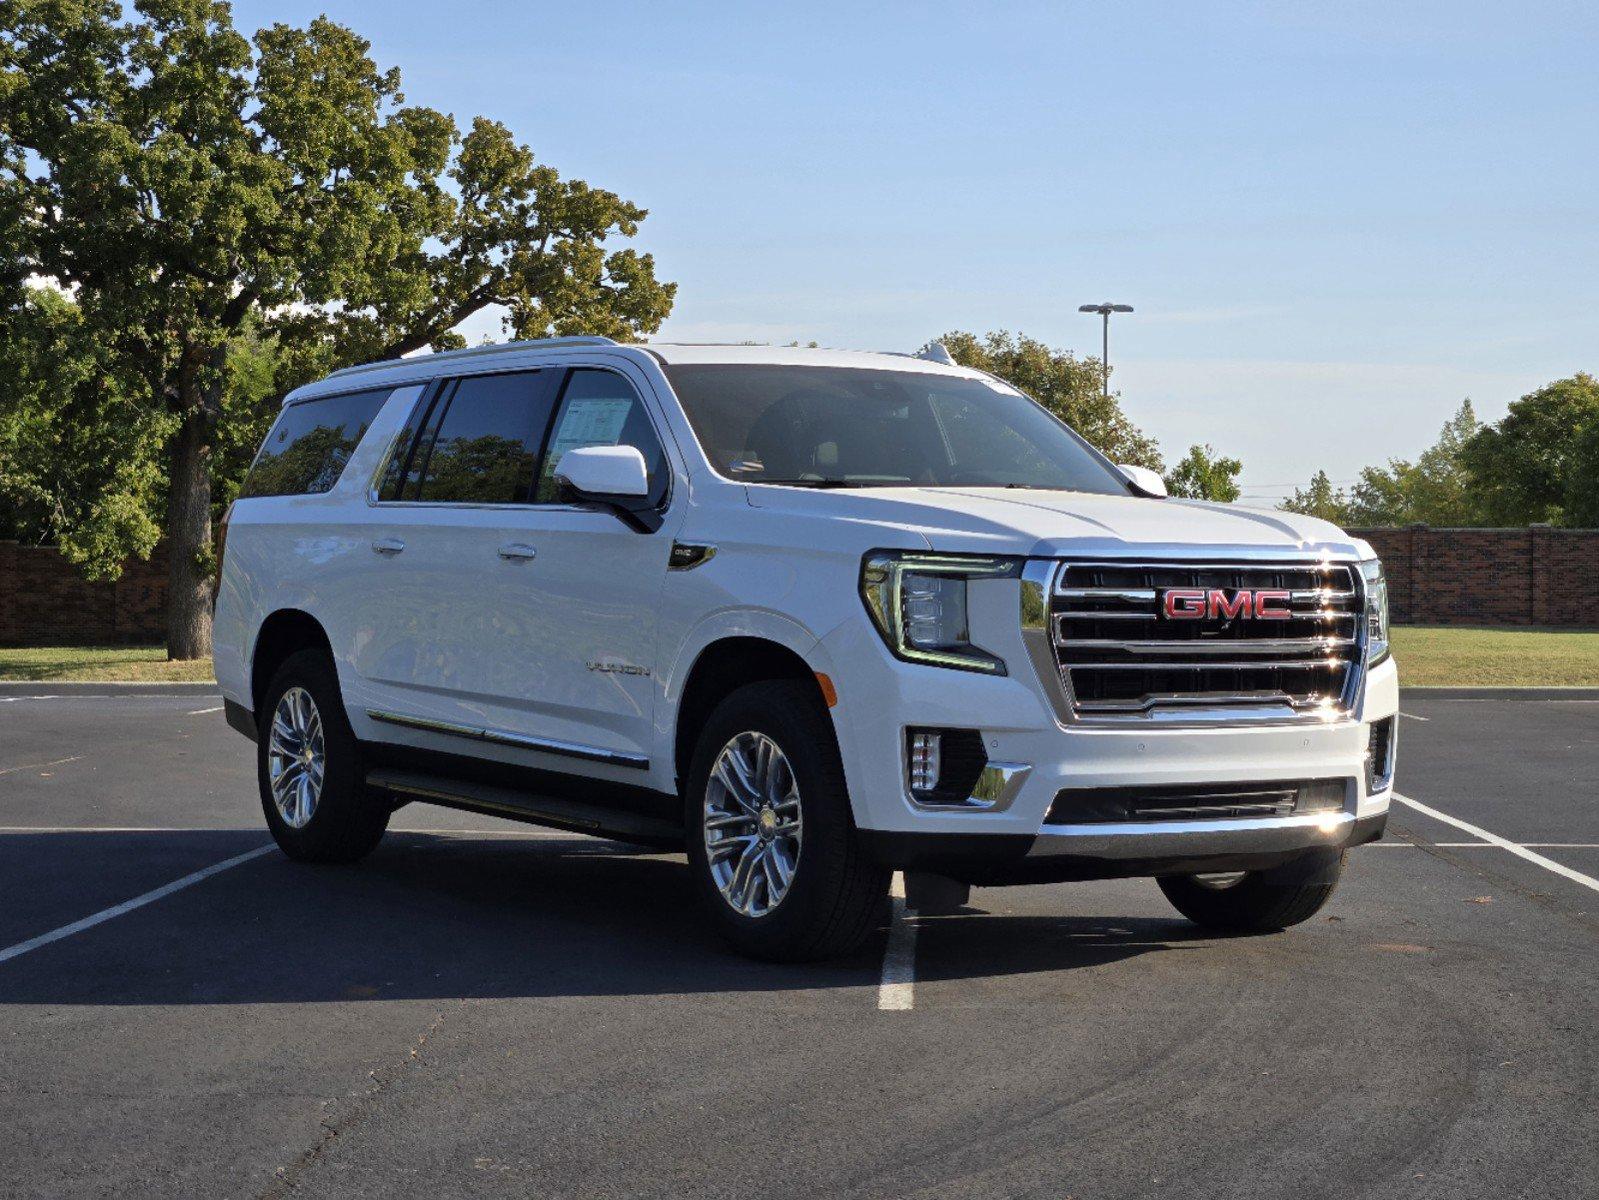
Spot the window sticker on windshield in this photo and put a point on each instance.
(591, 423)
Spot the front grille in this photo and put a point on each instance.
(1121, 654)
(1190, 802)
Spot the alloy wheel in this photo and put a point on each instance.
(752, 824)
(296, 757)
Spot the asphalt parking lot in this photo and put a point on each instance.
(483, 1009)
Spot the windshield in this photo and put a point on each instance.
(855, 427)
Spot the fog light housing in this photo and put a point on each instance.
(1380, 756)
(943, 766)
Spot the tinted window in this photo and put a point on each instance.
(486, 443)
(312, 441)
(407, 456)
(856, 427)
(600, 408)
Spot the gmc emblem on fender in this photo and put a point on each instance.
(1198, 604)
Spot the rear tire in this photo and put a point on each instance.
(824, 896)
(1258, 901)
(310, 768)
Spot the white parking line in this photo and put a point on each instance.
(897, 991)
(127, 906)
(200, 712)
(39, 766)
(1519, 851)
(1414, 717)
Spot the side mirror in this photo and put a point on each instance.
(602, 471)
(1144, 481)
(613, 477)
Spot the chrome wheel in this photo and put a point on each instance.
(752, 824)
(296, 757)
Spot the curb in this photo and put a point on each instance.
(50, 687)
(1501, 693)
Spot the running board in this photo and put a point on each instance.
(599, 820)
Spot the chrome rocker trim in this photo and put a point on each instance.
(499, 737)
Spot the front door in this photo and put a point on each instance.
(507, 611)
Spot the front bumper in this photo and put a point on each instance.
(1013, 842)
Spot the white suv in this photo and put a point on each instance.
(814, 616)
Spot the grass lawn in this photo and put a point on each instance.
(1457, 657)
(129, 664)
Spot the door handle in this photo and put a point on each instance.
(518, 550)
(387, 545)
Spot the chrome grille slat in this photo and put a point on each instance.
(1206, 664)
(1234, 646)
(1211, 660)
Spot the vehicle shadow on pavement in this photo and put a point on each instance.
(440, 916)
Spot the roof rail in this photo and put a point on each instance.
(477, 352)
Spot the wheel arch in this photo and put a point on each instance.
(286, 631)
(721, 667)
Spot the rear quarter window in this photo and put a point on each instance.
(308, 448)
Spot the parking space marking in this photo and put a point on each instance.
(897, 991)
(39, 766)
(127, 906)
(1414, 717)
(1548, 864)
(200, 712)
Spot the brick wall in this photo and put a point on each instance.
(45, 600)
(1534, 576)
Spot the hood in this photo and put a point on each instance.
(1044, 524)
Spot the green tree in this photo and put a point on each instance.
(1436, 489)
(195, 188)
(78, 448)
(1582, 491)
(1320, 499)
(1529, 466)
(1070, 387)
(1203, 475)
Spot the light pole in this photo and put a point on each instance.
(1104, 310)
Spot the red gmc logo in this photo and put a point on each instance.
(1198, 604)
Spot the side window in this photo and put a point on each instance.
(481, 443)
(600, 408)
(405, 457)
(307, 449)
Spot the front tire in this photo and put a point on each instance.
(772, 844)
(1257, 901)
(310, 768)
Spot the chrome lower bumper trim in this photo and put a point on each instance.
(1193, 839)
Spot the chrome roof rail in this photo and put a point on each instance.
(471, 352)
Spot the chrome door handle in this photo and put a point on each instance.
(387, 545)
(517, 550)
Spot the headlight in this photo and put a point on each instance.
(918, 603)
(1376, 612)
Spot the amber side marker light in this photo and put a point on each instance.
(829, 692)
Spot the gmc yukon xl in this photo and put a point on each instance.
(812, 616)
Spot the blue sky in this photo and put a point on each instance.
(1335, 220)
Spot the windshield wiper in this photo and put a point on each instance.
(830, 483)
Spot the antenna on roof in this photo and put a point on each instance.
(936, 352)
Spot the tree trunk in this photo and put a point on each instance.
(189, 549)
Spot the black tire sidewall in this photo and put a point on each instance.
(1262, 901)
(802, 730)
(348, 819)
